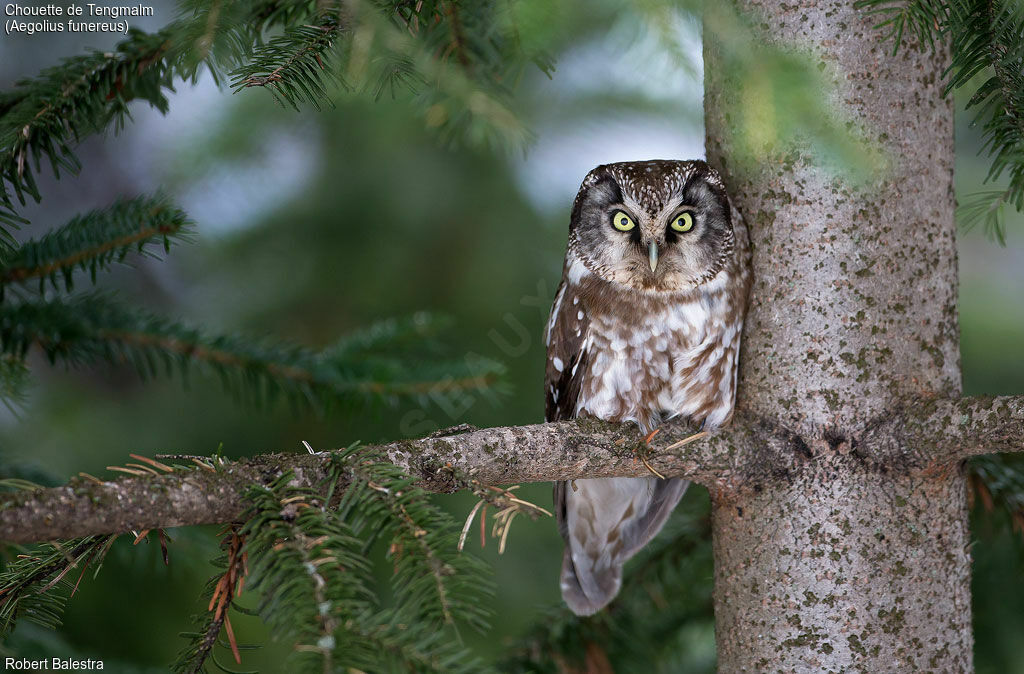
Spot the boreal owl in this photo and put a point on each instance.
(645, 326)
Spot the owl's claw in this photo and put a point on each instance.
(643, 457)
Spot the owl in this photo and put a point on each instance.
(645, 327)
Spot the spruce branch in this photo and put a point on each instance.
(997, 27)
(955, 429)
(45, 115)
(921, 18)
(220, 34)
(28, 585)
(295, 66)
(929, 435)
(42, 118)
(309, 568)
(986, 208)
(213, 490)
(93, 328)
(220, 592)
(382, 501)
(95, 240)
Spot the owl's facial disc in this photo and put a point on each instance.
(653, 226)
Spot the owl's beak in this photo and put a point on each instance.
(652, 250)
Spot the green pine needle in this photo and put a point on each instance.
(920, 18)
(94, 241)
(381, 503)
(93, 329)
(309, 568)
(37, 584)
(296, 66)
(987, 209)
(222, 35)
(44, 116)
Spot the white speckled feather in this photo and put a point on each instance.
(633, 346)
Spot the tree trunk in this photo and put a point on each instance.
(857, 561)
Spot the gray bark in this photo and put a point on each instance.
(745, 458)
(860, 561)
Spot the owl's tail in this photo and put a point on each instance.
(605, 522)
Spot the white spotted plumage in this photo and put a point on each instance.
(641, 347)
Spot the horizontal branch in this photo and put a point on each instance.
(961, 428)
(504, 455)
(749, 453)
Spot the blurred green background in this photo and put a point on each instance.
(311, 224)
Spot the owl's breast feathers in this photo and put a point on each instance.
(622, 355)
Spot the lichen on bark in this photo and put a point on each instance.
(859, 562)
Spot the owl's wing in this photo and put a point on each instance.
(604, 522)
(566, 337)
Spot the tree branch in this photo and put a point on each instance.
(960, 428)
(921, 436)
(214, 494)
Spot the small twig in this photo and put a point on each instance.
(130, 471)
(686, 441)
(483, 527)
(505, 530)
(152, 462)
(650, 467)
(469, 521)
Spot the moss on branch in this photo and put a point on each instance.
(750, 452)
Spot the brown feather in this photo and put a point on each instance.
(628, 344)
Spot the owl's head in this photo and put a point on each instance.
(660, 226)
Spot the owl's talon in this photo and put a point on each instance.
(642, 453)
(686, 441)
(651, 468)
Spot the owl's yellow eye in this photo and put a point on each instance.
(622, 222)
(683, 222)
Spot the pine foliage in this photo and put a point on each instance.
(306, 561)
(997, 485)
(454, 61)
(94, 241)
(36, 585)
(95, 328)
(988, 37)
(296, 66)
(308, 567)
(311, 564)
(43, 117)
